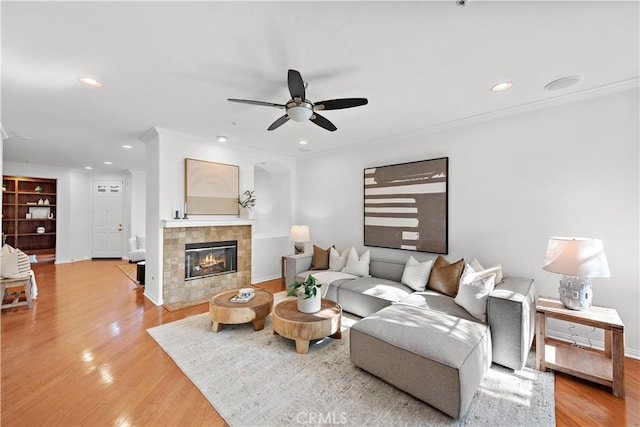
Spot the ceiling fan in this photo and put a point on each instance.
(299, 108)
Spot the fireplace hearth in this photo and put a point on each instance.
(210, 259)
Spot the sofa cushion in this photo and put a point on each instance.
(366, 295)
(416, 274)
(481, 271)
(436, 357)
(436, 302)
(473, 293)
(445, 276)
(357, 265)
(337, 261)
(141, 241)
(320, 258)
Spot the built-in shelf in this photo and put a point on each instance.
(20, 197)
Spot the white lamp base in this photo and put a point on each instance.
(575, 292)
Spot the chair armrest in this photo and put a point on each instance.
(294, 264)
(511, 316)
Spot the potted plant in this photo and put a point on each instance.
(247, 202)
(309, 298)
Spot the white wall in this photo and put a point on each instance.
(568, 170)
(166, 151)
(137, 189)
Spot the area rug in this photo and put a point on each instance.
(257, 379)
(129, 270)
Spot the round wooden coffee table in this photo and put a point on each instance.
(303, 327)
(224, 312)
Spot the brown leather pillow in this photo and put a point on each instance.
(445, 277)
(320, 258)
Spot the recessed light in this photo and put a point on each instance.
(126, 146)
(88, 168)
(563, 83)
(303, 142)
(108, 163)
(87, 81)
(222, 138)
(502, 86)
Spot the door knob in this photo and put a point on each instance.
(119, 227)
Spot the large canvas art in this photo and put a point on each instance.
(211, 188)
(405, 206)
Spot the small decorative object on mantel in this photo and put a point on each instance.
(309, 299)
(247, 202)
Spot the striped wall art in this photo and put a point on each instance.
(405, 206)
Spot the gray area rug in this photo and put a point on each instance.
(257, 379)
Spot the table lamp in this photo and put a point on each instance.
(578, 259)
(299, 235)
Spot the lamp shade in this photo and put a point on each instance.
(576, 256)
(300, 233)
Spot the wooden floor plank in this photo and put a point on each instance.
(82, 356)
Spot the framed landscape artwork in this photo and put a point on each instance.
(211, 188)
(406, 206)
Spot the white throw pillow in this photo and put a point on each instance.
(473, 293)
(416, 274)
(337, 261)
(24, 265)
(9, 262)
(480, 271)
(131, 244)
(357, 265)
(141, 242)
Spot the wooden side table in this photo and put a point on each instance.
(224, 312)
(288, 322)
(603, 367)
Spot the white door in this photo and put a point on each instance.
(107, 219)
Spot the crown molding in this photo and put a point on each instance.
(594, 92)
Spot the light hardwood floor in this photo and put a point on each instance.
(82, 356)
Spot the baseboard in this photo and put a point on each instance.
(255, 280)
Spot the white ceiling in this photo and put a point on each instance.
(422, 65)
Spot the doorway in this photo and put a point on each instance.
(107, 236)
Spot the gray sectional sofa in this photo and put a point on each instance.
(423, 342)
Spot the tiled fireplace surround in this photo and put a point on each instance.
(177, 291)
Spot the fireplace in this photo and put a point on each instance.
(210, 259)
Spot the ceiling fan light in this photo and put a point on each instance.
(299, 113)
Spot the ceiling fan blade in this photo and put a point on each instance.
(282, 120)
(323, 122)
(337, 104)
(248, 101)
(296, 85)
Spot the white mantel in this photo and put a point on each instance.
(177, 223)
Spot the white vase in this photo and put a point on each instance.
(246, 213)
(309, 305)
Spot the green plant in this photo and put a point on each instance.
(310, 286)
(249, 200)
